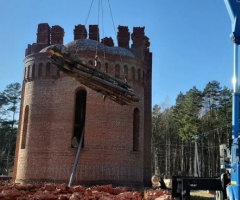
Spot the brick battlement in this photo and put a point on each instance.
(47, 35)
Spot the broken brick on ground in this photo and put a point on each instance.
(10, 191)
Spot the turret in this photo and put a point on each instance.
(56, 109)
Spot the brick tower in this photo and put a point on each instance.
(54, 108)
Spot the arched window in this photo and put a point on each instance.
(139, 75)
(133, 73)
(106, 67)
(79, 121)
(28, 72)
(48, 69)
(33, 71)
(125, 68)
(25, 73)
(25, 126)
(40, 69)
(117, 71)
(136, 129)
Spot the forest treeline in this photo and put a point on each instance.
(187, 135)
(9, 108)
(201, 118)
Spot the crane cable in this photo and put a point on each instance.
(77, 46)
(104, 55)
(96, 48)
(124, 73)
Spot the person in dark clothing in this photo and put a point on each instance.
(225, 180)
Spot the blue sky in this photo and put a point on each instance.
(189, 38)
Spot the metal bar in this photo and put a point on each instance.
(180, 184)
(235, 105)
(235, 67)
(76, 159)
(200, 183)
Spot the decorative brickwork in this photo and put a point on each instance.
(117, 139)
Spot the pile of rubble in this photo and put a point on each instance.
(10, 191)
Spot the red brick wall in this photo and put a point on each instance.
(107, 156)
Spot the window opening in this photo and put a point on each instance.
(106, 67)
(125, 68)
(136, 129)
(117, 71)
(143, 76)
(79, 121)
(28, 72)
(139, 75)
(133, 73)
(33, 71)
(25, 73)
(25, 125)
(40, 70)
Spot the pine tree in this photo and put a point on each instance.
(9, 105)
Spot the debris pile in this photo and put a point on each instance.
(9, 191)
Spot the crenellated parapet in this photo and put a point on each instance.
(80, 32)
(123, 36)
(36, 66)
(139, 39)
(43, 33)
(46, 35)
(57, 34)
(94, 32)
(108, 41)
(34, 48)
